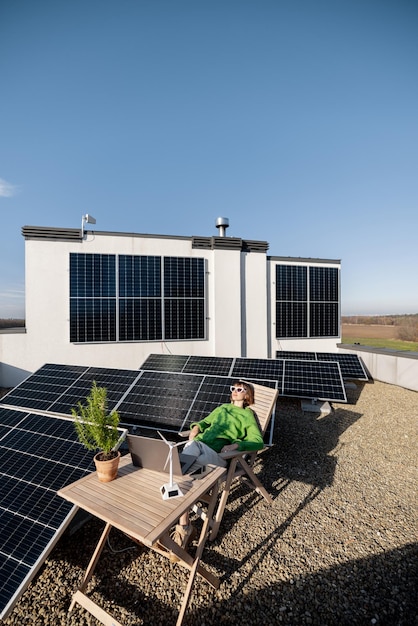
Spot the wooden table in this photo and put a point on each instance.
(133, 504)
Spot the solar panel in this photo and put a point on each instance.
(351, 365)
(320, 380)
(214, 391)
(165, 362)
(297, 380)
(43, 387)
(258, 369)
(210, 365)
(58, 388)
(116, 381)
(189, 364)
(160, 398)
(39, 454)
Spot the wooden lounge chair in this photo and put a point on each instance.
(240, 463)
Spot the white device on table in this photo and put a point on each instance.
(170, 489)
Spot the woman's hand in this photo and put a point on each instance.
(230, 447)
(194, 432)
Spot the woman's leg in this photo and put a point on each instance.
(204, 454)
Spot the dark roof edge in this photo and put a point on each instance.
(44, 232)
(208, 243)
(50, 232)
(302, 259)
(229, 243)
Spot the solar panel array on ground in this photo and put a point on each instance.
(352, 367)
(39, 454)
(57, 388)
(301, 378)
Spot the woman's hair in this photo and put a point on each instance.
(249, 396)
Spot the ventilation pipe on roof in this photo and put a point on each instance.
(222, 224)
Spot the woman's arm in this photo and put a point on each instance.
(205, 423)
(252, 439)
(230, 447)
(194, 431)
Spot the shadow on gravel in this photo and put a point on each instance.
(379, 590)
(304, 444)
(354, 389)
(304, 449)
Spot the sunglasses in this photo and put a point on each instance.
(237, 389)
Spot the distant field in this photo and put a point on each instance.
(375, 331)
(376, 335)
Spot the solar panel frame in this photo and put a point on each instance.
(166, 393)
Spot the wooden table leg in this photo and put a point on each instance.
(199, 551)
(92, 565)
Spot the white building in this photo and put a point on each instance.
(110, 299)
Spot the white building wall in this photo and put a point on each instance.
(256, 325)
(225, 302)
(240, 303)
(16, 359)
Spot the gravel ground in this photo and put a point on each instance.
(338, 545)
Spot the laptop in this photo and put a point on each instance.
(153, 454)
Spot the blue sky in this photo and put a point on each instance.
(295, 119)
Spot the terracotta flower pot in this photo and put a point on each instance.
(106, 470)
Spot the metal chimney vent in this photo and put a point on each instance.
(222, 224)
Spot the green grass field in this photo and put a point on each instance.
(392, 344)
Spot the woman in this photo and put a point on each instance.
(229, 427)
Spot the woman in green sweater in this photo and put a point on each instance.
(229, 427)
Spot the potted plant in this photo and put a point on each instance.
(97, 429)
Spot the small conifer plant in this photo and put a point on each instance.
(96, 428)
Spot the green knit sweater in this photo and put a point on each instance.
(230, 424)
